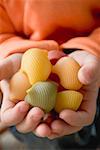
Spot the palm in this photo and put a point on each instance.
(70, 121)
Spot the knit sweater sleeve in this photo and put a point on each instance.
(11, 42)
(90, 43)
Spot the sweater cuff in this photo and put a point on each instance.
(83, 43)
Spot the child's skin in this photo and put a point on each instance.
(27, 119)
(40, 21)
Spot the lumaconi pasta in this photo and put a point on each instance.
(33, 84)
(67, 70)
(36, 65)
(19, 83)
(43, 95)
(68, 99)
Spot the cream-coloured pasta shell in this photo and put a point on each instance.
(18, 85)
(67, 70)
(43, 95)
(68, 100)
(36, 65)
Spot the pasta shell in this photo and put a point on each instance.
(67, 70)
(68, 100)
(18, 85)
(36, 65)
(43, 95)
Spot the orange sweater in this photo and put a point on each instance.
(24, 21)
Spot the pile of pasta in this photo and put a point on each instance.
(36, 82)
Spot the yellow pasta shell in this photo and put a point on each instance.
(43, 95)
(18, 85)
(36, 65)
(67, 70)
(68, 100)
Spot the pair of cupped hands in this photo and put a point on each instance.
(27, 119)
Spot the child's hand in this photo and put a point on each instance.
(89, 74)
(20, 114)
(70, 121)
(90, 64)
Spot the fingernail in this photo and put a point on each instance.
(51, 138)
(38, 134)
(61, 116)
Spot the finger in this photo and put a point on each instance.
(54, 136)
(43, 130)
(84, 116)
(6, 103)
(11, 114)
(31, 121)
(60, 128)
(89, 73)
(79, 118)
(9, 65)
(46, 44)
(54, 54)
(79, 56)
(89, 63)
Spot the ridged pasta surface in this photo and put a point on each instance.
(36, 65)
(43, 95)
(68, 100)
(67, 70)
(19, 83)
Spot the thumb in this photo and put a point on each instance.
(9, 66)
(90, 64)
(89, 72)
